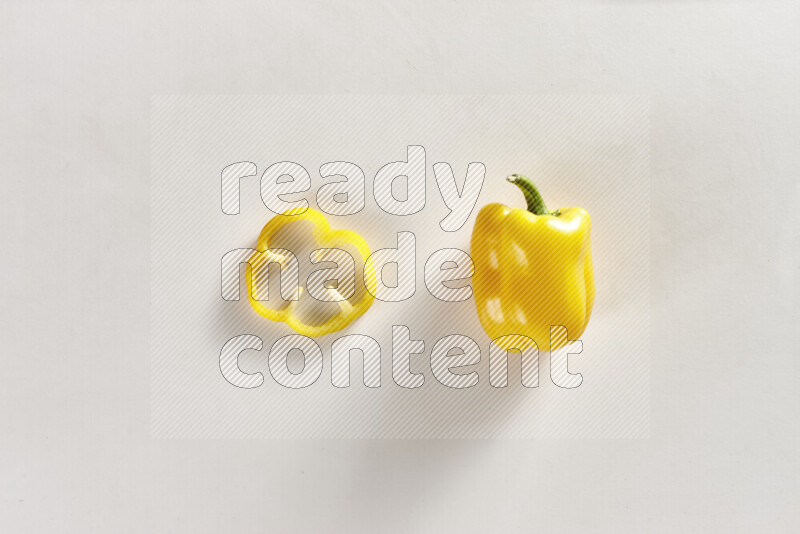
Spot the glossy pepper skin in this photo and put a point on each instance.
(325, 237)
(533, 269)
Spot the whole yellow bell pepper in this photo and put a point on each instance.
(348, 308)
(533, 269)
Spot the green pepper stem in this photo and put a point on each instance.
(532, 196)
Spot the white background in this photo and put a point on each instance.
(75, 447)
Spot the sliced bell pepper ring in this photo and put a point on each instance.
(326, 238)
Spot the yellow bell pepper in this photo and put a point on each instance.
(346, 309)
(533, 269)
